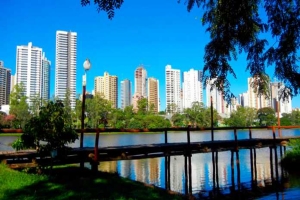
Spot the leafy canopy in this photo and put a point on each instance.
(236, 27)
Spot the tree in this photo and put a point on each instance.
(199, 115)
(48, 131)
(98, 109)
(19, 107)
(236, 27)
(266, 116)
(142, 105)
(242, 117)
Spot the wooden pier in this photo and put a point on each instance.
(30, 158)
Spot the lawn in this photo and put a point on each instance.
(69, 182)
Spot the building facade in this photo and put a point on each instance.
(5, 84)
(153, 94)
(107, 85)
(126, 97)
(45, 78)
(218, 102)
(140, 81)
(65, 65)
(192, 87)
(173, 90)
(277, 102)
(256, 101)
(28, 69)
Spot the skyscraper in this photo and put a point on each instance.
(173, 90)
(5, 81)
(284, 105)
(28, 69)
(153, 94)
(217, 97)
(125, 93)
(140, 81)
(65, 65)
(192, 87)
(45, 78)
(255, 100)
(108, 86)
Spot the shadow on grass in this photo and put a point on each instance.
(73, 183)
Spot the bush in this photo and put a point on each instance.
(48, 131)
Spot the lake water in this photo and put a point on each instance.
(152, 171)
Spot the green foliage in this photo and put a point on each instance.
(69, 182)
(242, 117)
(19, 107)
(291, 160)
(290, 118)
(48, 131)
(199, 115)
(266, 116)
(142, 105)
(178, 120)
(98, 109)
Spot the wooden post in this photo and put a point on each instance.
(255, 167)
(188, 135)
(96, 152)
(250, 133)
(190, 172)
(166, 172)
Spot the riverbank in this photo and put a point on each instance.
(70, 182)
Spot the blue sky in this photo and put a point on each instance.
(153, 33)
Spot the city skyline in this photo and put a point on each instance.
(154, 36)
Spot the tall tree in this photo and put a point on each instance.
(236, 27)
(266, 116)
(19, 107)
(242, 117)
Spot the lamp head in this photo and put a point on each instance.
(87, 64)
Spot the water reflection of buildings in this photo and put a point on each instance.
(152, 171)
(144, 170)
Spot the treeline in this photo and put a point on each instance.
(100, 113)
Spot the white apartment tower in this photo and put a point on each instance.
(217, 97)
(125, 93)
(28, 69)
(65, 65)
(173, 90)
(284, 105)
(192, 87)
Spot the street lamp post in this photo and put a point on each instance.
(86, 66)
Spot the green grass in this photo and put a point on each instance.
(69, 182)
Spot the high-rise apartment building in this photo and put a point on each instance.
(65, 65)
(284, 105)
(192, 87)
(153, 94)
(5, 82)
(173, 89)
(28, 69)
(45, 78)
(140, 81)
(255, 100)
(218, 101)
(108, 86)
(125, 93)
